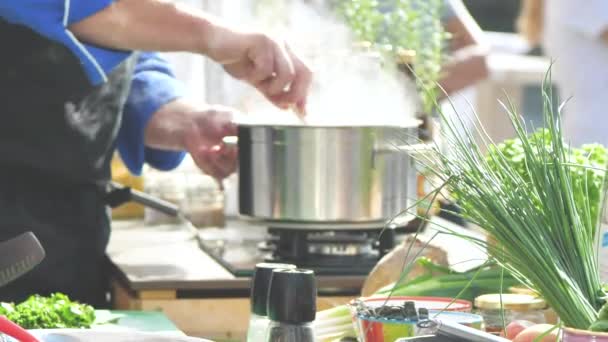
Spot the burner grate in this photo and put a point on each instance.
(348, 251)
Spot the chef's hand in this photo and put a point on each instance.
(204, 141)
(199, 130)
(157, 25)
(522, 331)
(266, 63)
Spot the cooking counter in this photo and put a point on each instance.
(161, 268)
(164, 257)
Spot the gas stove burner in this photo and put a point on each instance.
(243, 243)
(339, 243)
(339, 249)
(348, 251)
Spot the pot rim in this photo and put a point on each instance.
(585, 332)
(414, 123)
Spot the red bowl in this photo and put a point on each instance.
(430, 303)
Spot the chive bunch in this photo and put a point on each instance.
(542, 220)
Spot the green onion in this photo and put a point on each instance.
(543, 221)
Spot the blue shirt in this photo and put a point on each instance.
(153, 84)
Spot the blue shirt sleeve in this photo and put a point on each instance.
(51, 18)
(153, 86)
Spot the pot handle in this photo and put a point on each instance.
(231, 140)
(411, 149)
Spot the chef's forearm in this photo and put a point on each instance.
(152, 25)
(167, 127)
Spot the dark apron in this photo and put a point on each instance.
(57, 138)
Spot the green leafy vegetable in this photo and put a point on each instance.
(587, 179)
(601, 324)
(54, 312)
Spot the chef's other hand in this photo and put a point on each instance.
(180, 125)
(266, 63)
(204, 141)
(523, 331)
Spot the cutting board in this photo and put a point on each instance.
(66, 335)
(145, 321)
(128, 326)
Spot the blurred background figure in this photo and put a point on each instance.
(574, 34)
(467, 50)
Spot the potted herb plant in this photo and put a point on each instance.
(410, 33)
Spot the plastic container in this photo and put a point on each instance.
(259, 322)
(498, 310)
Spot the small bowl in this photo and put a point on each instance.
(390, 330)
(430, 303)
(574, 335)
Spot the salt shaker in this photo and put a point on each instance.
(292, 306)
(259, 322)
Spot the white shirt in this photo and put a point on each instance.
(572, 38)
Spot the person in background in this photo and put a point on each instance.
(465, 67)
(467, 53)
(575, 36)
(80, 78)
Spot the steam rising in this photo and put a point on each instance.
(351, 88)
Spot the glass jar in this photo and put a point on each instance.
(203, 204)
(168, 186)
(499, 310)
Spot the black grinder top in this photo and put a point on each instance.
(261, 285)
(292, 298)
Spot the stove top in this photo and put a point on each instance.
(242, 244)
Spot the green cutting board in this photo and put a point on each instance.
(148, 321)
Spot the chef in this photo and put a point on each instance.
(73, 89)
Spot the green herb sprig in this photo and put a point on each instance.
(54, 312)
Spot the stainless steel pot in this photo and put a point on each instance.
(325, 174)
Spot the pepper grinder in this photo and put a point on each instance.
(292, 306)
(259, 322)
